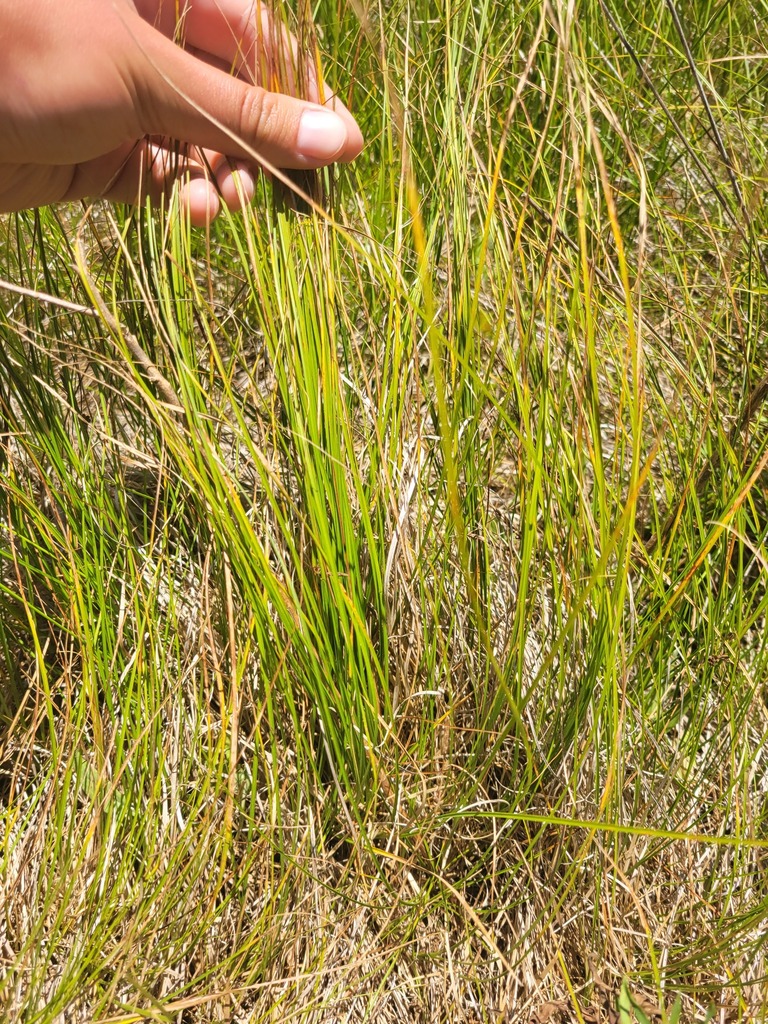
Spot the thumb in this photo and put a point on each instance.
(184, 98)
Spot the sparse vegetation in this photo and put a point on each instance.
(383, 587)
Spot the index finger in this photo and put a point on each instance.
(247, 39)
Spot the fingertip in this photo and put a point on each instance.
(199, 199)
(237, 185)
(355, 142)
(325, 137)
(321, 135)
(355, 139)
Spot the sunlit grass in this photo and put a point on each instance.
(384, 587)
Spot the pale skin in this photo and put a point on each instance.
(97, 99)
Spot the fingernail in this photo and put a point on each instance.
(322, 135)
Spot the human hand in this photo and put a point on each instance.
(96, 99)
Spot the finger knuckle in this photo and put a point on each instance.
(259, 116)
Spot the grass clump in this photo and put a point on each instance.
(384, 586)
